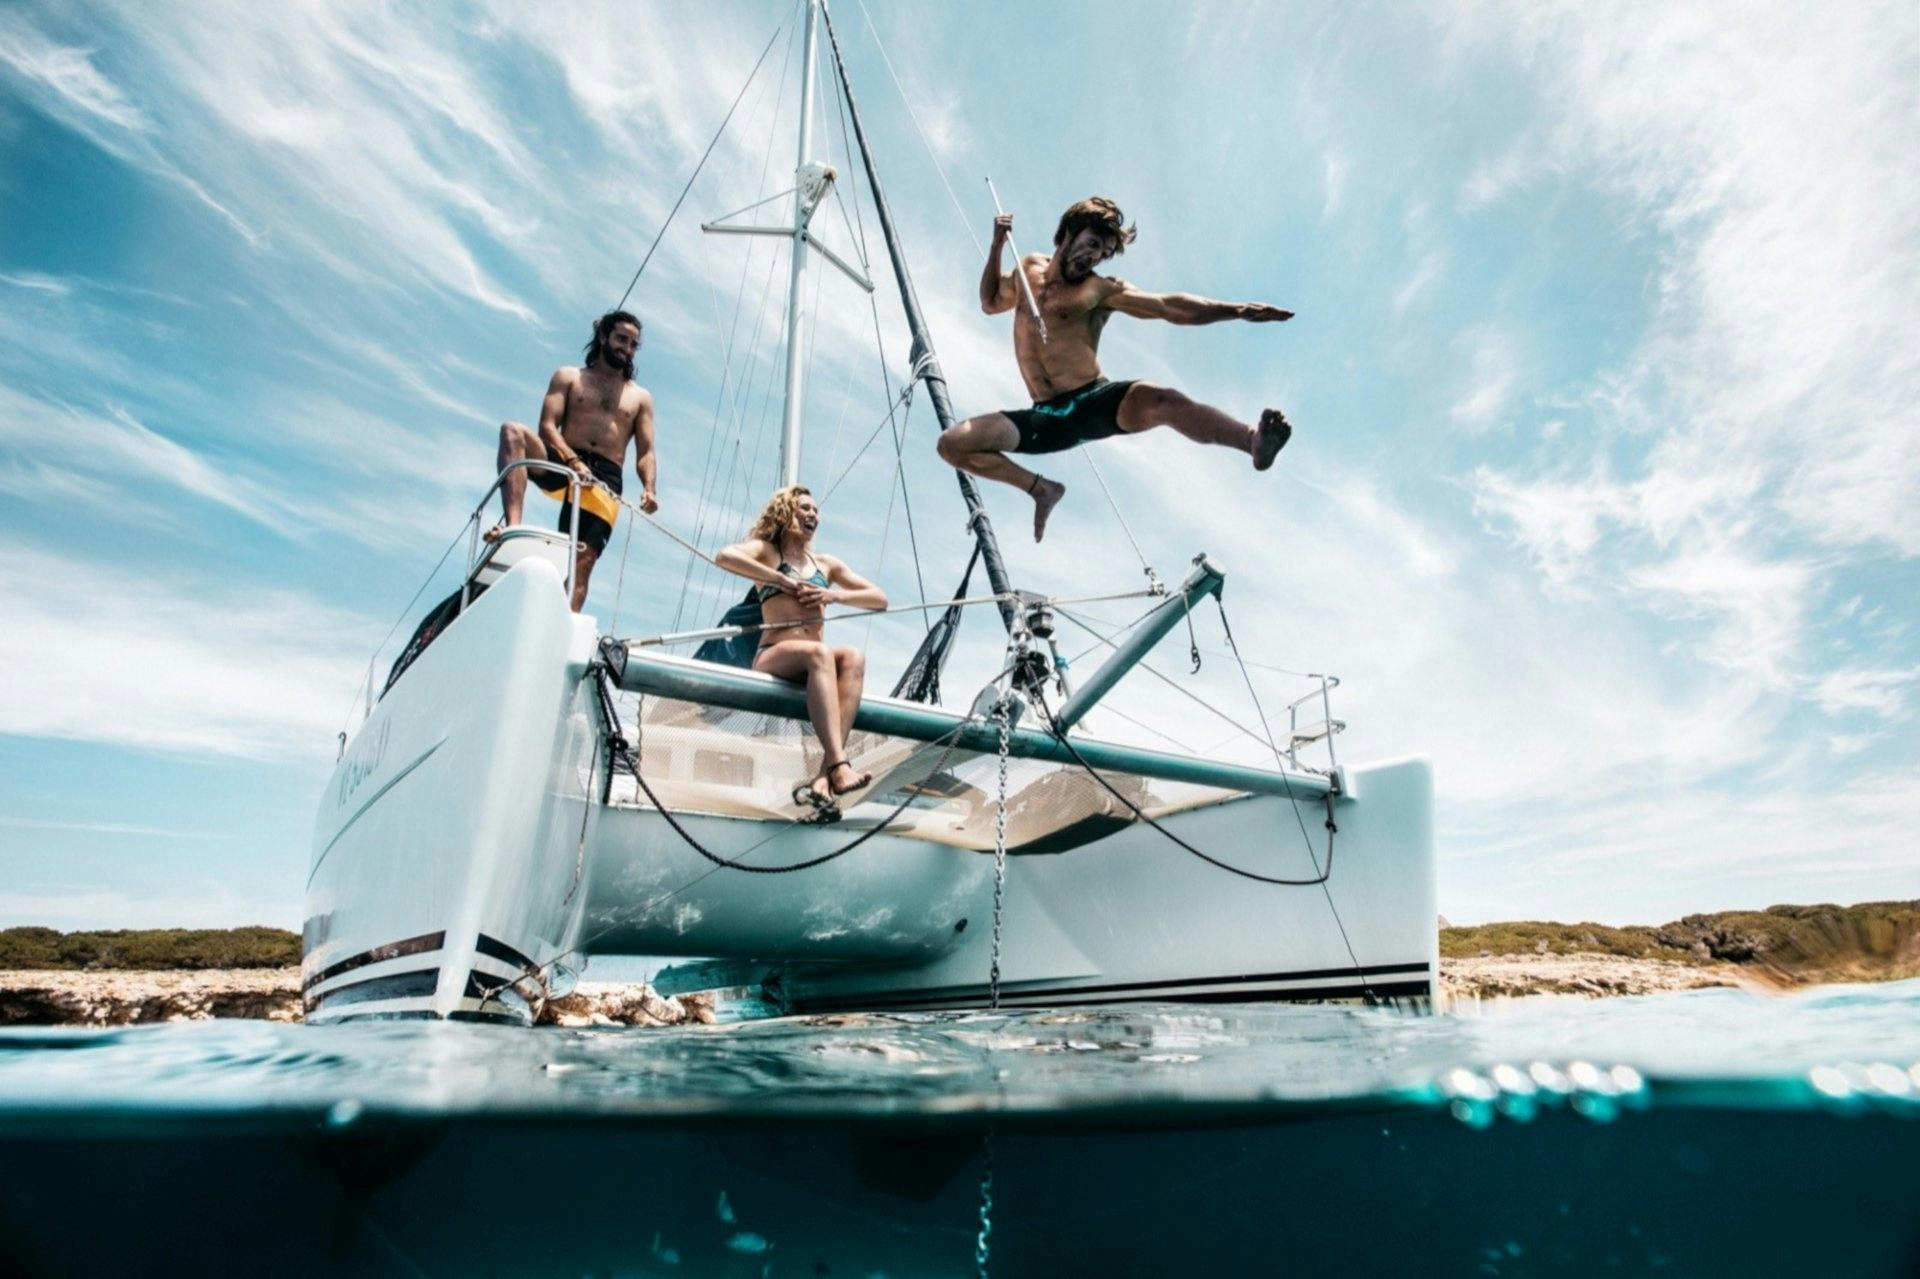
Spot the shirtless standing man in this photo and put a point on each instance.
(588, 418)
(1072, 401)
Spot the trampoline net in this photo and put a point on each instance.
(707, 759)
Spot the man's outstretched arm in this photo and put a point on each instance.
(1186, 308)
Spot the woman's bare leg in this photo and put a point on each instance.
(851, 666)
(810, 663)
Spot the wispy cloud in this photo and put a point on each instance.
(64, 81)
(1492, 375)
(214, 906)
(172, 663)
(1760, 415)
(1881, 693)
(113, 444)
(100, 828)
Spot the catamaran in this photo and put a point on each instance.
(526, 793)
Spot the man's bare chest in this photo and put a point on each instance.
(1064, 303)
(602, 404)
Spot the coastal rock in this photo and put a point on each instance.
(62, 998)
(618, 1004)
(1484, 977)
(130, 998)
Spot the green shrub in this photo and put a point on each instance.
(149, 948)
(1797, 943)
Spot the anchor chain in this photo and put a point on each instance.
(1003, 717)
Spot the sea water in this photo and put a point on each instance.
(1715, 1132)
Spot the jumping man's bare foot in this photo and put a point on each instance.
(1046, 496)
(1271, 436)
(493, 534)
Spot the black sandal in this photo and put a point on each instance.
(825, 811)
(864, 779)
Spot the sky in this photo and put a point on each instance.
(1604, 493)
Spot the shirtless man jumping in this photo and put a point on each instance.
(588, 418)
(1072, 401)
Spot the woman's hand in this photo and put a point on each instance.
(811, 596)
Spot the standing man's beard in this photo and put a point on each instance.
(623, 367)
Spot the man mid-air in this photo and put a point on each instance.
(589, 416)
(1072, 402)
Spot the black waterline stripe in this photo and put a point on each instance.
(495, 949)
(486, 986)
(1270, 995)
(1307, 974)
(1285, 993)
(416, 1014)
(421, 981)
(392, 950)
(498, 1019)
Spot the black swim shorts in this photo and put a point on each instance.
(1091, 412)
(594, 531)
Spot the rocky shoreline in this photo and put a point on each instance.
(60, 998)
(50, 998)
(1595, 976)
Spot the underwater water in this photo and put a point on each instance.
(1705, 1133)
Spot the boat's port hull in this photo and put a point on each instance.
(458, 814)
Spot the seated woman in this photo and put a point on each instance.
(796, 583)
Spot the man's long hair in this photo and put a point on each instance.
(1102, 215)
(776, 517)
(597, 344)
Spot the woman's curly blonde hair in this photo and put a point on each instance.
(777, 515)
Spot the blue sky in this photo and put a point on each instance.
(1605, 493)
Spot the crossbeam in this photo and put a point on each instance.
(733, 689)
(1205, 580)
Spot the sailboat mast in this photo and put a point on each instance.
(925, 363)
(796, 297)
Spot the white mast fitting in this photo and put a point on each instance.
(811, 182)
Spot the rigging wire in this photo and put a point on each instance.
(1164, 678)
(709, 471)
(696, 168)
(924, 141)
(406, 610)
(1087, 457)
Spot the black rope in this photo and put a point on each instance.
(696, 168)
(1053, 727)
(1332, 828)
(630, 758)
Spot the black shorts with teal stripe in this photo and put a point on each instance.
(1090, 412)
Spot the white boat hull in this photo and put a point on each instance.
(463, 848)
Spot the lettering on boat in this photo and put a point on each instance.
(363, 761)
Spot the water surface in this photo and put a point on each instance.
(1710, 1132)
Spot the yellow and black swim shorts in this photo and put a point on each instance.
(599, 506)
